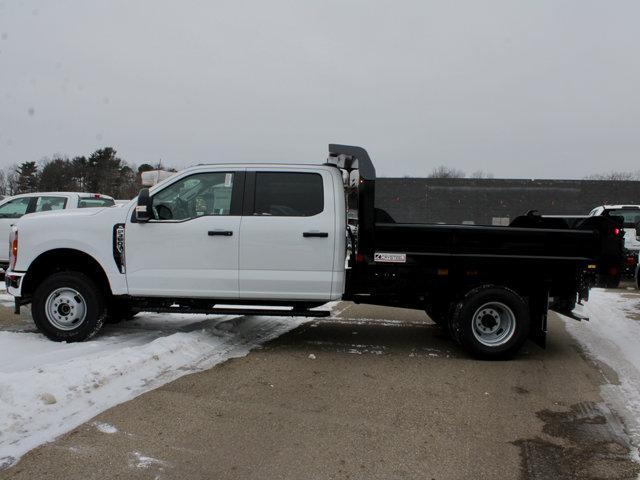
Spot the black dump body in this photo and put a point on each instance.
(446, 258)
(430, 266)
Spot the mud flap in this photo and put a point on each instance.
(538, 310)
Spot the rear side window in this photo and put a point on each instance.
(15, 208)
(631, 215)
(284, 194)
(95, 202)
(46, 204)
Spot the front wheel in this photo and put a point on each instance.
(68, 306)
(491, 322)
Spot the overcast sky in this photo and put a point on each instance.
(544, 88)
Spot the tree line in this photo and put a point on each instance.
(444, 171)
(100, 172)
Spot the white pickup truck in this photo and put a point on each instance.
(630, 214)
(276, 235)
(13, 208)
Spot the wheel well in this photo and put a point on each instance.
(59, 260)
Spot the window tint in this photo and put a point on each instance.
(288, 194)
(195, 196)
(15, 208)
(45, 204)
(89, 202)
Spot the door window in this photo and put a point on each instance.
(45, 204)
(195, 196)
(286, 194)
(15, 208)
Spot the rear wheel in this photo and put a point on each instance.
(68, 306)
(491, 322)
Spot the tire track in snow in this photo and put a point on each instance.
(49, 388)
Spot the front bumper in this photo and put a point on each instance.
(13, 281)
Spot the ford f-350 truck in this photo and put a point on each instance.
(265, 235)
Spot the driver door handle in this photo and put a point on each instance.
(315, 234)
(220, 233)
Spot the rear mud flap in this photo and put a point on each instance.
(538, 309)
(538, 333)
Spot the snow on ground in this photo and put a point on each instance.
(5, 298)
(612, 336)
(49, 388)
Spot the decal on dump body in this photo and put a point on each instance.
(390, 257)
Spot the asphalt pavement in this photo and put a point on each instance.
(371, 393)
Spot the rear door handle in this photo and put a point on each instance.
(220, 233)
(315, 234)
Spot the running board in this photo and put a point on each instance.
(241, 311)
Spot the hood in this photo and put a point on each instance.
(78, 212)
(74, 216)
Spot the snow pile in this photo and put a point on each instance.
(612, 336)
(48, 388)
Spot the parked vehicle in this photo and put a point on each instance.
(630, 215)
(267, 235)
(12, 208)
(613, 255)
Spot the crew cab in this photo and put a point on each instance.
(12, 208)
(264, 235)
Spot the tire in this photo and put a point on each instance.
(85, 308)
(119, 311)
(491, 322)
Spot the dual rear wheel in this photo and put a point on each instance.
(489, 321)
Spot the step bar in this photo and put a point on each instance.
(241, 311)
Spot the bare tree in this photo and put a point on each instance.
(613, 175)
(481, 174)
(446, 172)
(12, 180)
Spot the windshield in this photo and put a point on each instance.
(96, 202)
(631, 215)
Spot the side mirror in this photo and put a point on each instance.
(144, 209)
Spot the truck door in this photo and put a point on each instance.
(287, 235)
(190, 247)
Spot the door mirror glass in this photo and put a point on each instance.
(144, 211)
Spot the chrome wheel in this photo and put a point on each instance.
(65, 308)
(493, 324)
